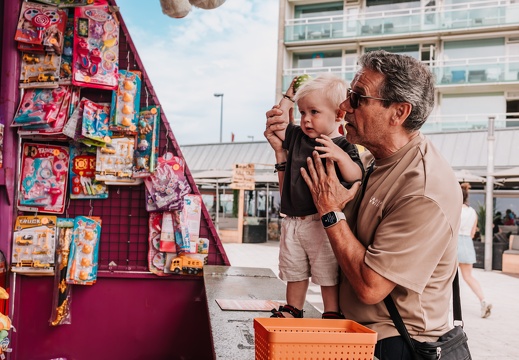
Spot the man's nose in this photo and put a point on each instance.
(345, 106)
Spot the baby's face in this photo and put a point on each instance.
(318, 116)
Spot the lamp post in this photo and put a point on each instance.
(489, 196)
(220, 95)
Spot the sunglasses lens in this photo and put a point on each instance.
(354, 100)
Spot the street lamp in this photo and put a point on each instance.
(220, 95)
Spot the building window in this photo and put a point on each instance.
(315, 10)
(317, 59)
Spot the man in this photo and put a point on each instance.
(400, 236)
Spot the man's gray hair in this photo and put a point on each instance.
(406, 80)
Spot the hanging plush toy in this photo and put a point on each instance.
(180, 8)
(175, 8)
(207, 4)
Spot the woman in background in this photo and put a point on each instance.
(466, 251)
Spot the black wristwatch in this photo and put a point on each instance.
(332, 218)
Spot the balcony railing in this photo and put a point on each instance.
(428, 19)
(444, 123)
(447, 123)
(485, 70)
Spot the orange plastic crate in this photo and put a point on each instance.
(312, 339)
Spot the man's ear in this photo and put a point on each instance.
(340, 115)
(401, 112)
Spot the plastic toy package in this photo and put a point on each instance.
(94, 124)
(192, 213)
(168, 185)
(43, 178)
(84, 248)
(39, 70)
(34, 244)
(96, 47)
(115, 162)
(83, 184)
(174, 236)
(42, 25)
(126, 102)
(65, 67)
(62, 296)
(40, 106)
(156, 258)
(147, 150)
(30, 108)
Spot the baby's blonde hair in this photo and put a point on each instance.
(331, 86)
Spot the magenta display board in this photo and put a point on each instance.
(115, 319)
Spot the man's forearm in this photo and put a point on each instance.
(370, 287)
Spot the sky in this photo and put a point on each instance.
(231, 50)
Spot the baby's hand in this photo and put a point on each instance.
(329, 149)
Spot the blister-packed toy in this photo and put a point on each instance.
(147, 150)
(115, 161)
(55, 128)
(156, 258)
(65, 67)
(62, 295)
(40, 106)
(34, 245)
(43, 25)
(96, 47)
(192, 212)
(84, 248)
(39, 70)
(167, 185)
(126, 102)
(94, 124)
(43, 178)
(83, 184)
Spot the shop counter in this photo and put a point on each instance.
(232, 331)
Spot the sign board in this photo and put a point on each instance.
(243, 177)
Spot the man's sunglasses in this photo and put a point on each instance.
(355, 98)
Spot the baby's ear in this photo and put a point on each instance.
(340, 115)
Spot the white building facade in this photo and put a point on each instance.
(472, 48)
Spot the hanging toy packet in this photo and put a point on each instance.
(96, 47)
(146, 153)
(43, 178)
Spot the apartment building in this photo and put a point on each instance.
(471, 46)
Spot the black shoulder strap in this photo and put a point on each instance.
(399, 323)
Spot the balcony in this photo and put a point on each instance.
(445, 123)
(497, 69)
(448, 73)
(396, 23)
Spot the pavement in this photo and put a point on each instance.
(495, 337)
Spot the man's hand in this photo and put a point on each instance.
(275, 123)
(327, 192)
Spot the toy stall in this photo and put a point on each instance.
(104, 232)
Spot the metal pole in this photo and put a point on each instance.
(217, 207)
(220, 95)
(489, 196)
(267, 209)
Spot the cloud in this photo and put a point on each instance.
(230, 50)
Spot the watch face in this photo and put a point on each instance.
(329, 219)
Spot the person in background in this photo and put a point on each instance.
(304, 249)
(509, 217)
(497, 221)
(400, 237)
(466, 251)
